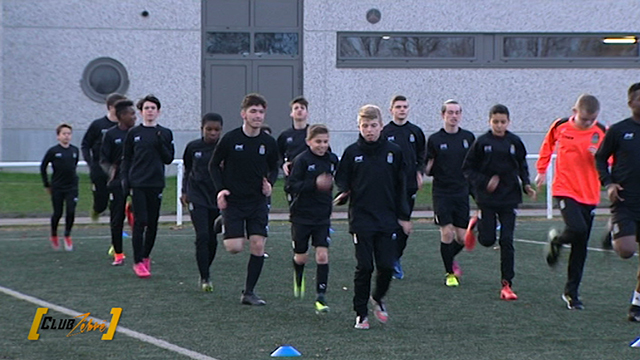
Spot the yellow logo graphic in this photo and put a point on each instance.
(85, 324)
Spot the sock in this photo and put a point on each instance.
(299, 269)
(635, 300)
(447, 257)
(456, 247)
(254, 268)
(322, 276)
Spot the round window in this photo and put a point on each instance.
(104, 76)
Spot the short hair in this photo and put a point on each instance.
(149, 98)
(316, 129)
(499, 109)
(265, 128)
(443, 109)
(253, 99)
(587, 103)
(398, 98)
(112, 99)
(121, 106)
(62, 126)
(211, 117)
(632, 90)
(369, 112)
(299, 100)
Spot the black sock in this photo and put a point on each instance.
(299, 269)
(254, 268)
(446, 251)
(322, 276)
(456, 247)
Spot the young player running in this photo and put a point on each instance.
(446, 150)
(372, 178)
(63, 186)
(199, 194)
(495, 166)
(411, 140)
(575, 186)
(309, 184)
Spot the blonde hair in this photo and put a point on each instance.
(369, 112)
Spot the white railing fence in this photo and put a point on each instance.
(180, 172)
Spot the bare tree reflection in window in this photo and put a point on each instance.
(227, 43)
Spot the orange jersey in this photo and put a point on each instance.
(575, 174)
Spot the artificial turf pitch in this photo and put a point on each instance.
(427, 319)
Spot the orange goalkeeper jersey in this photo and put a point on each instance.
(575, 174)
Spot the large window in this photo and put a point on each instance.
(444, 50)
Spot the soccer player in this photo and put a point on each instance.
(372, 178)
(575, 186)
(63, 186)
(622, 141)
(446, 150)
(199, 194)
(244, 168)
(411, 140)
(310, 183)
(91, 152)
(111, 161)
(147, 148)
(495, 166)
(291, 142)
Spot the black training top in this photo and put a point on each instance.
(111, 155)
(373, 173)
(503, 156)
(411, 140)
(309, 205)
(93, 139)
(448, 152)
(146, 150)
(64, 162)
(197, 182)
(240, 163)
(622, 140)
(292, 143)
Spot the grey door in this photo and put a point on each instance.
(251, 46)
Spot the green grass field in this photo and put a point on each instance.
(427, 319)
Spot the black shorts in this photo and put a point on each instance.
(451, 210)
(300, 234)
(624, 222)
(249, 219)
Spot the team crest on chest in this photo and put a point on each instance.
(289, 140)
(444, 146)
(391, 138)
(412, 138)
(488, 148)
(390, 157)
(512, 149)
(197, 154)
(359, 158)
(311, 167)
(136, 138)
(262, 150)
(117, 141)
(595, 138)
(239, 147)
(465, 143)
(628, 136)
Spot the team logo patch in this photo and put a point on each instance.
(465, 143)
(262, 150)
(595, 138)
(412, 138)
(359, 158)
(74, 155)
(390, 157)
(197, 154)
(136, 138)
(391, 138)
(512, 149)
(488, 148)
(592, 150)
(628, 136)
(444, 146)
(239, 147)
(117, 141)
(58, 155)
(311, 167)
(289, 140)
(103, 131)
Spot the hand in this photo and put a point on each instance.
(493, 183)
(222, 199)
(540, 179)
(531, 192)
(324, 182)
(613, 192)
(266, 187)
(419, 180)
(407, 227)
(341, 199)
(184, 200)
(286, 168)
(48, 189)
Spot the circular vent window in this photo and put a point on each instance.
(104, 76)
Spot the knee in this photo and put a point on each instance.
(447, 234)
(233, 246)
(625, 247)
(300, 259)
(364, 269)
(487, 240)
(322, 257)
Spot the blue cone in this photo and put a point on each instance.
(635, 343)
(286, 351)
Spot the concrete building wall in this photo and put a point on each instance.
(47, 45)
(534, 96)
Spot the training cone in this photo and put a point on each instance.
(286, 351)
(635, 343)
